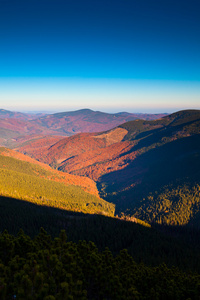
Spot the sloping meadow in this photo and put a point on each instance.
(26, 181)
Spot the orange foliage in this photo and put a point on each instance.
(86, 154)
(85, 183)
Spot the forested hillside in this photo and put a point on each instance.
(35, 183)
(164, 187)
(13, 160)
(176, 246)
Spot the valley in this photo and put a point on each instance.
(99, 150)
(147, 169)
(134, 186)
(135, 162)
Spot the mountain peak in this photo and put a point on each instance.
(183, 116)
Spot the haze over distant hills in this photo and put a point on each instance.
(86, 120)
(7, 114)
(16, 127)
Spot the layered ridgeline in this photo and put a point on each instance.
(149, 169)
(87, 120)
(26, 179)
(17, 128)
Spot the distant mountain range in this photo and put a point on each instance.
(149, 169)
(87, 120)
(16, 127)
(7, 114)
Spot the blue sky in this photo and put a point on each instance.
(137, 56)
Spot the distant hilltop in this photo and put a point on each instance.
(17, 127)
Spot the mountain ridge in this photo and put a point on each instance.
(16, 128)
(122, 159)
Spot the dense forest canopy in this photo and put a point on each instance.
(48, 269)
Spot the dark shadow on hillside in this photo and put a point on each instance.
(177, 161)
(152, 246)
(16, 214)
(155, 136)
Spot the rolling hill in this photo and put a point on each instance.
(7, 114)
(25, 179)
(17, 128)
(87, 120)
(138, 165)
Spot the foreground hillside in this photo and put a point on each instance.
(149, 169)
(176, 246)
(56, 269)
(34, 182)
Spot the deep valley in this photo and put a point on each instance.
(133, 185)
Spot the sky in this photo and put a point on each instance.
(135, 56)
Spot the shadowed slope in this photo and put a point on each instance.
(154, 178)
(153, 246)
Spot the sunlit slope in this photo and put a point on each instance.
(13, 160)
(26, 181)
(50, 193)
(36, 142)
(85, 154)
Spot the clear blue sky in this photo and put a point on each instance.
(126, 55)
